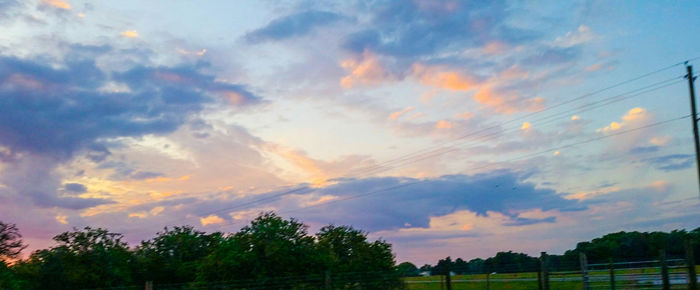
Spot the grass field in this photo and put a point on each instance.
(625, 279)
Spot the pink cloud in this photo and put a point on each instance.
(397, 114)
(367, 70)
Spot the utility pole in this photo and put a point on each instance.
(694, 116)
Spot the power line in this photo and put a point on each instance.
(406, 157)
(528, 155)
(443, 151)
(406, 184)
(550, 107)
(554, 117)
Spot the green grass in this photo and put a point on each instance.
(529, 280)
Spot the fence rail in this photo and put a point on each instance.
(662, 273)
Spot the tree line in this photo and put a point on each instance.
(618, 247)
(272, 249)
(269, 247)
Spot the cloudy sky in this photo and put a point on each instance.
(457, 128)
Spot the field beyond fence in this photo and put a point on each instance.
(653, 274)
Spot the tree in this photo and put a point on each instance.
(426, 268)
(172, 256)
(443, 267)
(510, 262)
(460, 266)
(268, 248)
(83, 259)
(346, 250)
(10, 242)
(407, 269)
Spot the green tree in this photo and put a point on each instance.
(443, 267)
(407, 269)
(83, 259)
(268, 248)
(172, 256)
(346, 250)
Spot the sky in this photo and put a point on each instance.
(446, 128)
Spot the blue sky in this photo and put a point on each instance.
(457, 128)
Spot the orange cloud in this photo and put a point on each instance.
(634, 115)
(140, 215)
(397, 114)
(660, 141)
(62, 219)
(300, 160)
(486, 96)
(165, 179)
(366, 71)
(465, 115)
(443, 124)
(322, 199)
(433, 76)
(57, 3)
(156, 210)
(211, 219)
(416, 116)
(130, 34)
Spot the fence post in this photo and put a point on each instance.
(327, 279)
(584, 270)
(488, 281)
(539, 274)
(690, 262)
(611, 268)
(149, 285)
(448, 279)
(544, 261)
(664, 270)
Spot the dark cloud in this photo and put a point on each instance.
(145, 175)
(672, 162)
(68, 202)
(297, 24)
(502, 192)
(75, 188)
(393, 202)
(521, 221)
(125, 171)
(44, 110)
(644, 149)
(32, 178)
(57, 111)
(420, 28)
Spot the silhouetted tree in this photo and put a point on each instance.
(346, 250)
(443, 267)
(407, 269)
(172, 256)
(10, 241)
(83, 259)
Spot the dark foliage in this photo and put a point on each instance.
(10, 241)
(271, 252)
